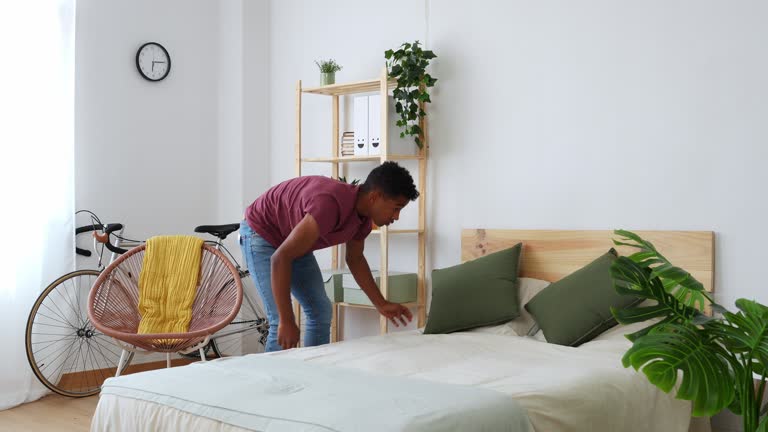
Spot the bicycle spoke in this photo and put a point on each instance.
(108, 363)
(80, 303)
(85, 359)
(64, 320)
(51, 325)
(105, 347)
(96, 367)
(61, 366)
(74, 311)
(68, 300)
(40, 350)
(65, 352)
(54, 320)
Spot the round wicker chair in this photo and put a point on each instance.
(113, 304)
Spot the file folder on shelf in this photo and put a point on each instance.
(374, 125)
(361, 125)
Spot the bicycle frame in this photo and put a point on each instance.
(246, 295)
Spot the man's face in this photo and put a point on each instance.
(385, 210)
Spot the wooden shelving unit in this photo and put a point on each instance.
(381, 85)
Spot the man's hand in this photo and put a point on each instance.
(396, 312)
(288, 334)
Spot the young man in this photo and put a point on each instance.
(287, 223)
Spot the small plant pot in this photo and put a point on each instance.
(327, 78)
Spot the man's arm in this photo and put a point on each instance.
(298, 243)
(360, 269)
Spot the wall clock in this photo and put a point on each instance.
(153, 61)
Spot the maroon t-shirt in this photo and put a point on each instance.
(330, 202)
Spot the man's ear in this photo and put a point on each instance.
(374, 196)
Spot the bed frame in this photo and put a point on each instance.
(550, 255)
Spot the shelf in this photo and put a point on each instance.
(399, 231)
(383, 87)
(349, 88)
(362, 158)
(362, 306)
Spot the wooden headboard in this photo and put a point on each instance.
(550, 255)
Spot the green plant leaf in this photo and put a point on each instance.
(746, 331)
(674, 349)
(763, 426)
(408, 66)
(630, 278)
(675, 280)
(388, 54)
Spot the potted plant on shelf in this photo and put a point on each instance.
(408, 65)
(328, 69)
(715, 362)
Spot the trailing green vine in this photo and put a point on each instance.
(408, 66)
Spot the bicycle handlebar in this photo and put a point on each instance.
(103, 238)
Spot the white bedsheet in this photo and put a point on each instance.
(562, 389)
(279, 394)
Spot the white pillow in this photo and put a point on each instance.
(520, 326)
(618, 332)
(528, 289)
(499, 329)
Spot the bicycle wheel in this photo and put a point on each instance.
(65, 351)
(247, 333)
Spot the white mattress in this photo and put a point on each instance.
(563, 389)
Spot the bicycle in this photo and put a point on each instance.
(71, 358)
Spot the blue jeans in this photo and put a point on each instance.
(306, 286)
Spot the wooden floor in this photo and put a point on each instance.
(65, 414)
(51, 413)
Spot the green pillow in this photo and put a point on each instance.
(577, 308)
(476, 293)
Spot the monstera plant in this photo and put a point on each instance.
(715, 362)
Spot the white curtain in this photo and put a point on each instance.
(37, 44)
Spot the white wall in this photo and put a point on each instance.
(566, 115)
(604, 115)
(165, 157)
(146, 152)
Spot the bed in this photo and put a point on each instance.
(492, 378)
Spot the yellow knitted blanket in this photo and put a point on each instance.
(168, 283)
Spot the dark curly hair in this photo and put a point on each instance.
(392, 180)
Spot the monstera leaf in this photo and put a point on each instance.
(675, 280)
(745, 334)
(747, 331)
(672, 349)
(631, 278)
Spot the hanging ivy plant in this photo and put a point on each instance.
(408, 65)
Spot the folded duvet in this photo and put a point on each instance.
(272, 393)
